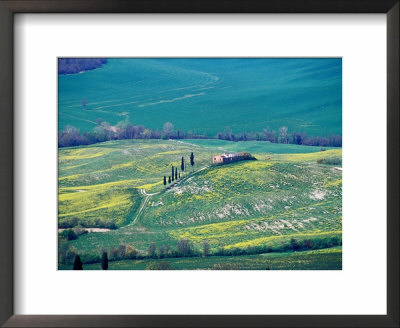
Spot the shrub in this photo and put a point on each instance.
(221, 251)
(90, 258)
(113, 254)
(206, 248)
(334, 161)
(294, 244)
(71, 254)
(307, 244)
(238, 251)
(163, 265)
(68, 223)
(130, 252)
(123, 252)
(63, 251)
(244, 155)
(99, 223)
(152, 250)
(334, 241)
(79, 231)
(162, 251)
(330, 161)
(225, 266)
(68, 234)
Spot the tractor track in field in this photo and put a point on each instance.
(146, 200)
(148, 196)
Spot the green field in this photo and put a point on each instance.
(240, 206)
(325, 259)
(206, 95)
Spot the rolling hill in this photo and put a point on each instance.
(236, 207)
(243, 94)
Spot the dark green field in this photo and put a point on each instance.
(326, 259)
(208, 95)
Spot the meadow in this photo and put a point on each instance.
(243, 94)
(324, 259)
(288, 195)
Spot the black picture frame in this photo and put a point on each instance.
(10, 7)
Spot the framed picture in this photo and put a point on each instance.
(188, 161)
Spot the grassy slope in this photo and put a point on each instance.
(238, 205)
(324, 259)
(102, 180)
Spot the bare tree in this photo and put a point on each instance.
(168, 128)
(298, 138)
(228, 133)
(162, 251)
(270, 135)
(184, 247)
(283, 134)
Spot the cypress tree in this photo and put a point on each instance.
(104, 261)
(165, 180)
(173, 173)
(176, 173)
(169, 179)
(183, 165)
(179, 175)
(192, 159)
(78, 263)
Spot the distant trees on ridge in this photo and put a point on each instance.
(103, 131)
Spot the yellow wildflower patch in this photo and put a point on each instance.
(274, 239)
(83, 153)
(74, 166)
(150, 186)
(105, 186)
(333, 183)
(309, 157)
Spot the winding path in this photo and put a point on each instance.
(147, 196)
(146, 200)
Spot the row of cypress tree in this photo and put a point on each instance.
(174, 170)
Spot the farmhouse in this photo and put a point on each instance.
(229, 158)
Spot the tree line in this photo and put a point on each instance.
(76, 65)
(185, 248)
(103, 131)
